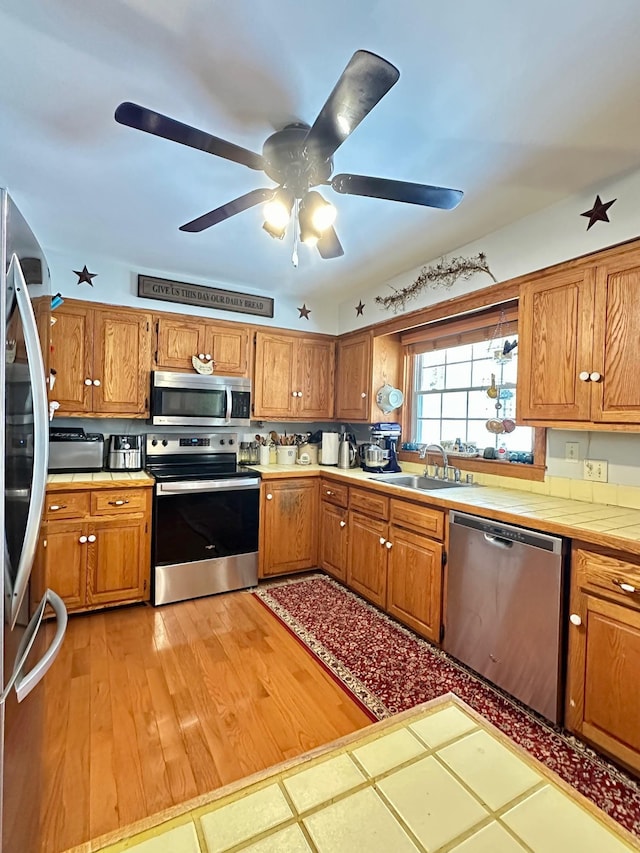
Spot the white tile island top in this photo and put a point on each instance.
(435, 778)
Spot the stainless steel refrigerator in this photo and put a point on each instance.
(29, 643)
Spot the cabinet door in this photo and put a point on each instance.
(62, 564)
(71, 358)
(603, 696)
(288, 526)
(118, 562)
(555, 342)
(122, 361)
(177, 341)
(334, 538)
(414, 584)
(228, 348)
(616, 397)
(367, 563)
(353, 379)
(316, 368)
(275, 376)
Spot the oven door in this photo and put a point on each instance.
(205, 538)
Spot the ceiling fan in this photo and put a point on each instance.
(299, 158)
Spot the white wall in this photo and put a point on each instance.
(117, 284)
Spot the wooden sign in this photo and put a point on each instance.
(206, 297)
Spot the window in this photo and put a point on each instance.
(450, 397)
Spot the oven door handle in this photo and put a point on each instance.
(194, 486)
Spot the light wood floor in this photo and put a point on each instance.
(146, 708)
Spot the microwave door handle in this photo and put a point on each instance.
(40, 440)
(24, 683)
(229, 394)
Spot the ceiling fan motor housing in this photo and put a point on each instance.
(290, 164)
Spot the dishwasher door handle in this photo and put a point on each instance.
(497, 541)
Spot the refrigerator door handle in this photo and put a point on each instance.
(40, 439)
(24, 683)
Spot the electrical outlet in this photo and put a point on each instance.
(571, 451)
(596, 470)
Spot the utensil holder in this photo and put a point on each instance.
(286, 454)
(264, 455)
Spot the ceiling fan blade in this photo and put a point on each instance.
(243, 202)
(328, 245)
(365, 81)
(141, 118)
(405, 191)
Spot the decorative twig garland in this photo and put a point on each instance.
(444, 274)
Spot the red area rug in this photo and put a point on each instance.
(388, 669)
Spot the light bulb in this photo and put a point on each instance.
(323, 216)
(310, 238)
(276, 213)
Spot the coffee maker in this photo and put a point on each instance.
(380, 456)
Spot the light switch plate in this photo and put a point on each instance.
(571, 451)
(596, 470)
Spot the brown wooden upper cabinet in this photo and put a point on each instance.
(364, 364)
(179, 338)
(101, 358)
(578, 334)
(293, 377)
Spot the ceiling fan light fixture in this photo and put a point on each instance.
(273, 231)
(278, 211)
(319, 212)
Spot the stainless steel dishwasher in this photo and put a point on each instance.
(505, 602)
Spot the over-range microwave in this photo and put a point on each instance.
(193, 399)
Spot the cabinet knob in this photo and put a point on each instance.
(329, 492)
(363, 395)
(207, 355)
(118, 503)
(269, 497)
(82, 540)
(56, 507)
(96, 382)
(584, 375)
(88, 382)
(382, 540)
(575, 619)
(294, 393)
(200, 355)
(595, 376)
(343, 524)
(388, 544)
(625, 587)
(91, 538)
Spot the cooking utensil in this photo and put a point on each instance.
(492, 390)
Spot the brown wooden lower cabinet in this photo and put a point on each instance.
(414, 585)
(288, 526)
(93, 562)
(334, 538)
(367, 563)
(603, 690)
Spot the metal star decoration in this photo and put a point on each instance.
(360, 308)
(85, 276)
(304, 311)
(598, 212)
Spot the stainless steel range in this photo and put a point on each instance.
(205, 516)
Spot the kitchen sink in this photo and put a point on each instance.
(416, 481)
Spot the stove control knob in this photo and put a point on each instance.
(164, 442)
(231, 441)
(154, 442)
(222, 441)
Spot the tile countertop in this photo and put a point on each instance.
(616, 527)
(436, 777)
(99, 480)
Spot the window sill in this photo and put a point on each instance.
(518, 470)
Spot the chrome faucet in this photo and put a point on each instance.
(424, 449)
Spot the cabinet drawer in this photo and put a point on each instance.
(607, 573)
(118, 501)
(422, 519)
(370, 503)
(335, 493)
(66, 504)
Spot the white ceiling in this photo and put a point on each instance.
(518, 104)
